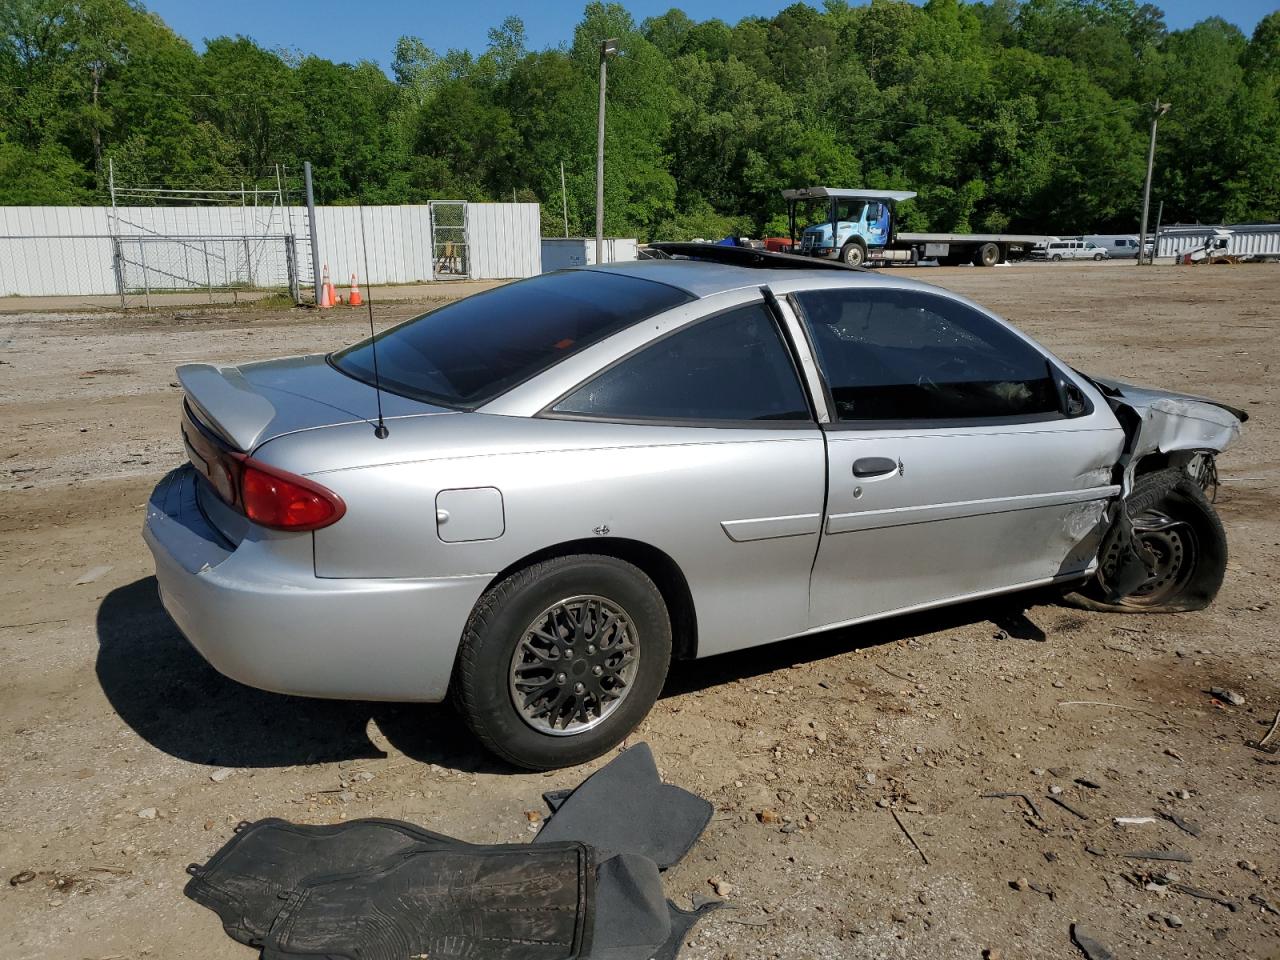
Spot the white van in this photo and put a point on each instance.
(1074, 250)
(1117, 245)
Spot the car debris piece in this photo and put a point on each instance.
(1186, 826)
(1176, 856)
(1025, 798)
(1088, 783)
(1264, 903)
(24, 876)
(1132, 821)
(92, 574)
(1089, 945)
(1227, 696)
(1068, 807)
(1202, 894)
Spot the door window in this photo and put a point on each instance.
(729, 367)
(894, 355)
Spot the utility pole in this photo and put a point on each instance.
(564, 201)
(311, 230)
(1158, 110)
(608, 48)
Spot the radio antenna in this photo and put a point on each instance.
(380, 431)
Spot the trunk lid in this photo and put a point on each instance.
(248, 405)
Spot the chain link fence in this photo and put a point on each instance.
(218, 266)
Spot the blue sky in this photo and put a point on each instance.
(343, 31)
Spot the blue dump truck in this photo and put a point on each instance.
(860, 227)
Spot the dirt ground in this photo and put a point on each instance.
(112, 727)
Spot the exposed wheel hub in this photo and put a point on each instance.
(1171, 554)
(574, 665)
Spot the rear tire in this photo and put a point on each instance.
(505, 643)
(987, 255)
(1176, 522)
(1057, 257)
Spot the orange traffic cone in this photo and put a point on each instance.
(354, 299)
(326, 290)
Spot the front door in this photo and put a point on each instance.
(952, 471)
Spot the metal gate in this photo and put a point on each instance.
(220, 267)
(451, 258)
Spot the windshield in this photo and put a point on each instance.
(471, 351)
(842, 211)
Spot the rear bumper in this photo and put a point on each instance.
(259, 615)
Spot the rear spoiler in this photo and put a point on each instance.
(242, 414)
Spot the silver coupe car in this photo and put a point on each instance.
(532, 500)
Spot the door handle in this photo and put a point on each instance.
(875, 466)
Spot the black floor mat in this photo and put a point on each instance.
(681, 922)
(624, 807)
(509, 902)
(245, 882)
(633, 918)
(587, 888)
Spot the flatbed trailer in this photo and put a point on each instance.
(860, 227)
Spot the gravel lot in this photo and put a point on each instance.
(113, 727)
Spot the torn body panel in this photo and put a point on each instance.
(1158, 421)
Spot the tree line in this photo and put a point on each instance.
(1004, 115)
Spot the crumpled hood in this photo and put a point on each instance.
(1167, 421)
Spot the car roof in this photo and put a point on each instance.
(704, 279)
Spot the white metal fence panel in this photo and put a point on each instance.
(43, 266)
(399, 240)
(504, 239)
(51, 251)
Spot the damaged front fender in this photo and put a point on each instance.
(1159, 421)
(1185, 432)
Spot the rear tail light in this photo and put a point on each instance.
(265, 494)
(285, 501)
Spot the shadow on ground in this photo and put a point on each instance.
(1008, 614)
(163, 689)
(166, 692)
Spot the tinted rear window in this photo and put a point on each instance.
(471, 351)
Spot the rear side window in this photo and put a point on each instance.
(904, 355)
(473, 350)
(730, 367)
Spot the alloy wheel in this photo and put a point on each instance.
(574, 665)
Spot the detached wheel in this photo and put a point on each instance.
(562, 660)
(1185, 546)
(853, 254)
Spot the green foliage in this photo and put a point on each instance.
(1003, 114)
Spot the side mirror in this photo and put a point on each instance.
(1075, 404)
(1071, 399)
